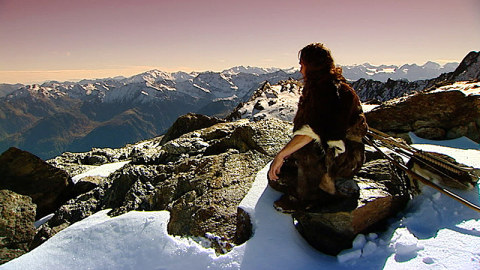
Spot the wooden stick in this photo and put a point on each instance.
(434, 159)
(424, 180)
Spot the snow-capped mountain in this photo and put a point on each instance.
(410, 72)
(469, 69)
(278, 101)
(54, 117)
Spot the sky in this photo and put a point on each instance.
(72, 39)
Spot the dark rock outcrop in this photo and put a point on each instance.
(188, 123)
(26, 174)
(469, 68)
(432, 115)
(17, 217)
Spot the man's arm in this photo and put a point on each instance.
(297, 142)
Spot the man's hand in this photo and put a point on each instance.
(275, 168)
(297, 142)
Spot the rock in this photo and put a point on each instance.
(26, 174)
(17, 229)
(87, 183)
(188, 123)
(77, 163)
(331, 228)
(437, 115)
(469, 68)
(94, 160)
(72, 211)
(200, 177)
(244, 227)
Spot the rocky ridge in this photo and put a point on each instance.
(200, 177)
(277, 101)
(370, 90)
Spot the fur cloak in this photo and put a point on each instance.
(330, 112)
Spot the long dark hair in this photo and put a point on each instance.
(319, 64)
(320, 96)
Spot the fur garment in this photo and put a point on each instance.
(330, 113)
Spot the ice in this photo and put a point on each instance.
(369, 248)
(359, 241)
(406, 244)
(348, 255)
(103, 170)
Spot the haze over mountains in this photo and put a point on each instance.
(55, 117)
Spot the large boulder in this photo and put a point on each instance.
(437, 115)
(383, 192)
(187, 123)
(26, 174)
(17, 229)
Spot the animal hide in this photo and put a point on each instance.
(335, 115)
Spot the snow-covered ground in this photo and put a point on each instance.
(277, 101)
(434, 232)
(468, 88)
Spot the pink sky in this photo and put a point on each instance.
(73, 39)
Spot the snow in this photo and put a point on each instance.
(368, 107)
(433, 232)
(44, 219)
(103, 170)
(277, 101)
(468, 88)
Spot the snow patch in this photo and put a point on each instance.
(102, 171)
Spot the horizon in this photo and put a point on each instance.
(77, 80)
(56, 40)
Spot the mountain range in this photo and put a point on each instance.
(280, 101)
(56, 117)
(410, 72)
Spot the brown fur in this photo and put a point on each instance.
(331, 108)
(333, 117)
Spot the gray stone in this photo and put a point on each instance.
(17, 229)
